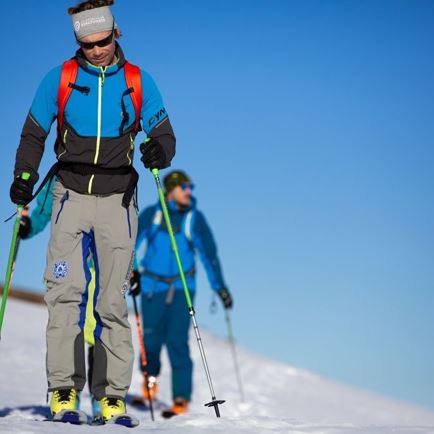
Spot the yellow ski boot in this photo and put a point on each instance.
(65, 399)
(113, 410)
(64, 407)
(111, 407)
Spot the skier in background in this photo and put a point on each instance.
(165, 316)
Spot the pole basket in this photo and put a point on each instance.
(215, 403)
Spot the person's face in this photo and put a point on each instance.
(99, 48)
(181, 194)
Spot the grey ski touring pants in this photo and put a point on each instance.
(83, 228)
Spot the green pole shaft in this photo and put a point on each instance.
(10, 266)
(12, 255)
(155, 172)
(215, 402)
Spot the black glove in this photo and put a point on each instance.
(226, 298)
(21, 191)
(25, 227)
(135, 288)
(153, 156)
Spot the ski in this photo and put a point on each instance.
(75, 417)
(121, 419)
(125, 419)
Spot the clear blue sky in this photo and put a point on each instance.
(308, 129)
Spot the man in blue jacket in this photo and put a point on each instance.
(99, 100)
(164, 310)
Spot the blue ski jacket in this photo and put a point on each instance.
(98, 127)
(155, 260)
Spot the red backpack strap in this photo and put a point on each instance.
(134, 80)
(68, 75)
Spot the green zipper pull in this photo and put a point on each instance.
(103, 69)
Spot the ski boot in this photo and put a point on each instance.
(64, 407)
(113, 410)
(180, 406)
(64, 399)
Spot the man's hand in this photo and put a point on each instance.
(21, 191)
(135, 288)
(25, 227)
(153, 155)
(226, 298)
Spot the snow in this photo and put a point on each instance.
(279, 397)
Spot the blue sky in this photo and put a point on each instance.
(307, 129)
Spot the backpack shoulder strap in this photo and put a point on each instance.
(188, 225)
(156, 223)
(145, 242)
(133, 79)
(67, 76)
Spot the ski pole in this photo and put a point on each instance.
(12, 255)
(24, 212)
(215, 402)
(234, 354)
(143, 358)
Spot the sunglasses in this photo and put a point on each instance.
(101, 43)
(186, 185)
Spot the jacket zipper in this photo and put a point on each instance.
(98, 132)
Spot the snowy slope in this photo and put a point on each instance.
(280, 398)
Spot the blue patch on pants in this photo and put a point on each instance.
(60, 269)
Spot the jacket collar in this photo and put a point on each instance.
(171, 205)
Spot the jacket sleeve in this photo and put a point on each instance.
(144, 224)
(156, 123)
(37, 126)
(41, 215)
(203, 241)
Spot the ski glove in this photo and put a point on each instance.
(21, 191)
(153, 155)
(226, 298)
(135, 287)
(25, 227)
